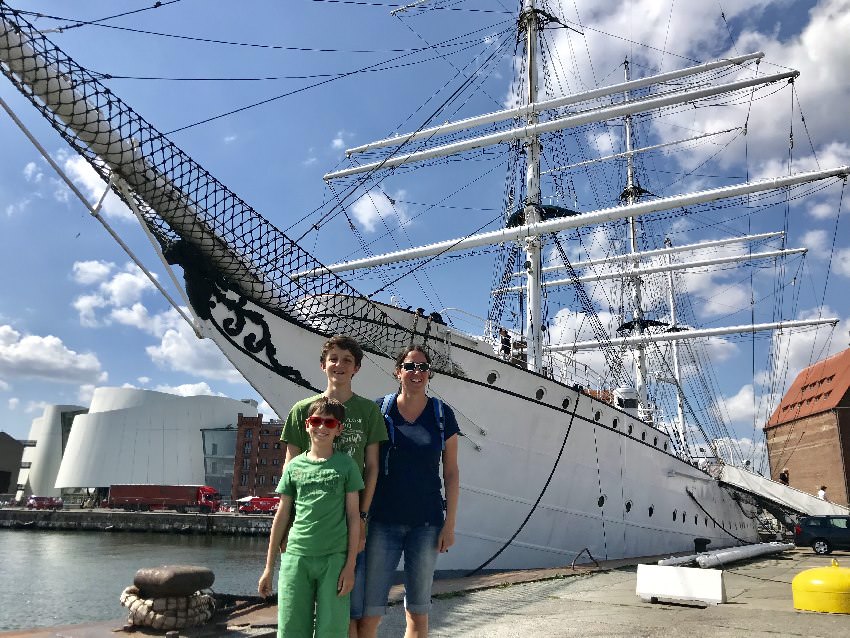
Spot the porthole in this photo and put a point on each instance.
(597, 415)
(628, 506)
(665, 446)
(630, 428)
(655, 441)
(615, 423)
(675, 514)
(492, 377)
(643, 436)
(695, 520)
(565, 403)
(601, 501)
(683, 517)
(706, 521)
(651, 510)
(539, 394)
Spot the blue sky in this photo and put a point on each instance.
(74, 314)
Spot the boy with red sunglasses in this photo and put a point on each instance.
(317, 569)
(364, 429)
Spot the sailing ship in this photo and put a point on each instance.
(563, 458)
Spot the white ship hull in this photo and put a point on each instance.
(617, 489)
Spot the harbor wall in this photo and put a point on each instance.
(119, 521)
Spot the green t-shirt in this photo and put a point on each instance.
(318, 489)
(364, 425)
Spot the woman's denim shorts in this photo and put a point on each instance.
(385, 544)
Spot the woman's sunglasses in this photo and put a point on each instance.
(410, 366)
(328, 421)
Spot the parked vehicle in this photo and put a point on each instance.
(260, 505)
(823, 533)
(45, 503)
(183, 498)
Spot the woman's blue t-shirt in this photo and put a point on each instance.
(408, 491)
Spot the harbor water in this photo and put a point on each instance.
(50, 578)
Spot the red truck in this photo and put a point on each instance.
(260, 505)
(183, 498)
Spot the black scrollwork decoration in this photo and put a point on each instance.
(247, 330)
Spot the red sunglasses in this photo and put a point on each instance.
(328, 421)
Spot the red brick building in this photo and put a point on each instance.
(258, 458)
(809, 433)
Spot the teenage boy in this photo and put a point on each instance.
(317, 569)
(364, 429)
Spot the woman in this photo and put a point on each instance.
(408, 515)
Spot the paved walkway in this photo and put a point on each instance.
(588, 602)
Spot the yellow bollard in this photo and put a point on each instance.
(825, 589)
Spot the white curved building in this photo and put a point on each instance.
(41, 463)
(142, 436)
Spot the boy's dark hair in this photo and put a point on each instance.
(326, 405)
(343, 342)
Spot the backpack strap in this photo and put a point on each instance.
(386, 406)
(441, 421)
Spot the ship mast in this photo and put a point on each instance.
(674, 345)
(632, 194)
(532, 243)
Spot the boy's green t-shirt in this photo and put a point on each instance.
(364, 425)
(318, 489)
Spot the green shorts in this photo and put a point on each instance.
(306, 581)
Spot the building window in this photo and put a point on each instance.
(277, 445)
(214, 450)
(246, 464)
(262, 461)
(243, 480)
(275, 461)
(264, 446)
(247, 448)
(249, 434)
(275, 478)
(261, 479)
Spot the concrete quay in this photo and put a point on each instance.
(105, 520)
(587, 601)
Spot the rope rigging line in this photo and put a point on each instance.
(351, 189)
(507, 543)
(378, 66)
(714, 520)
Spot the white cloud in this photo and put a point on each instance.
(91, 272)
(267, 411)
(34, 407)
(144, 380)
(32, 173)
(85, 393)
(82, 174)
(189, 389)
(338, 142)
(119, 293)
(14, 402)
(16, 208)
(841, 262)
(230, 138)
(4, 386)
(374, 206)
(33, 356)
(180, 350)
(816, 242)
(310, 161)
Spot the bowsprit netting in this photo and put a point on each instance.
(195, 218)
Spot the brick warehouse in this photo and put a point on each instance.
(258, 458)
(809, 432)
